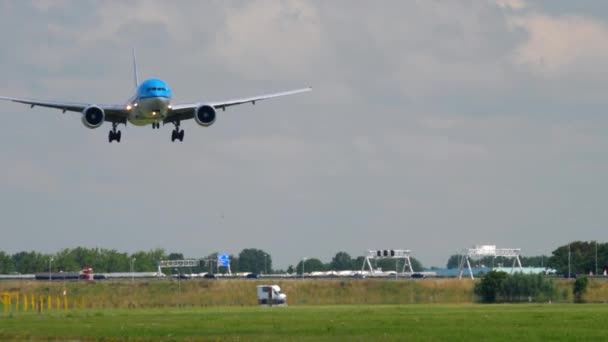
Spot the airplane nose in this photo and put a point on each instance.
(160, 102)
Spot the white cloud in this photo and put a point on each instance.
(559, 46)
(264, 38)
(512, 4)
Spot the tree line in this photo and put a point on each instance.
(110, 260)
(104, 260)
(585, 258)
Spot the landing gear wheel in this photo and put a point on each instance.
(114, 135)
(177, 134)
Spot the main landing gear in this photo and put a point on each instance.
(155, 125)
(114, 134)
(177, 134)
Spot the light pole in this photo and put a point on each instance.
(265, 264)
(568, 261)
(303, 262)
(596, 257)
(542, 260)
(50, 261)
(133, 269)
(179, 275)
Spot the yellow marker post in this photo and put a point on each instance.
(4, 302)
(49, 304)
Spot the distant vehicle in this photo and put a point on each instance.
(150, 105)
(86, 274)
(99, 277)
(210, 276)
(271, 295)
(418, 275)
(252, 276)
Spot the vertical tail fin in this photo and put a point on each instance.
(135, 78)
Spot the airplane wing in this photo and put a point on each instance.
(186, 111)
(114, 113)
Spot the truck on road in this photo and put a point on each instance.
(271, 295)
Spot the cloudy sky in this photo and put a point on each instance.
(432, 126)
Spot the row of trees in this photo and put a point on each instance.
(584, 257)
(581, 257)
(110, 260)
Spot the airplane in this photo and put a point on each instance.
(150, 105)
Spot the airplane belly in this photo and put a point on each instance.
(149, 110)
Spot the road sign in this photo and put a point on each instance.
(223, 260)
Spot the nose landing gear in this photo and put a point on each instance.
(114, 134)
(177, 134)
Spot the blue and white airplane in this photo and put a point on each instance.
(151, 105)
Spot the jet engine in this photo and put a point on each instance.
(93, 117)
(204, 115)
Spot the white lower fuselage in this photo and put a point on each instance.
(149, 110)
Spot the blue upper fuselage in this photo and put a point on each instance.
(153, 87)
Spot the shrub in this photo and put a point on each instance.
(579, 289)
(500, 287)
(489, 286)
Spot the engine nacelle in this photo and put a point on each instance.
(93, 117)
(204, 115)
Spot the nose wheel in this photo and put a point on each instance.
(177, 134)
(114, 134)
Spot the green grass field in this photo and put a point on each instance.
(526, 322)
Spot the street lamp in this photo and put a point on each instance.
(595, 257)
(265, 264)
(303, 262)
(542, 261)
(132, 269)
(179, 276)
(568, 261)
(50, 261)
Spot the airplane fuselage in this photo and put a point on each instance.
(150, 104)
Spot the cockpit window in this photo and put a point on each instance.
(156, 89)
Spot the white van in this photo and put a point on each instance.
(271, 295)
